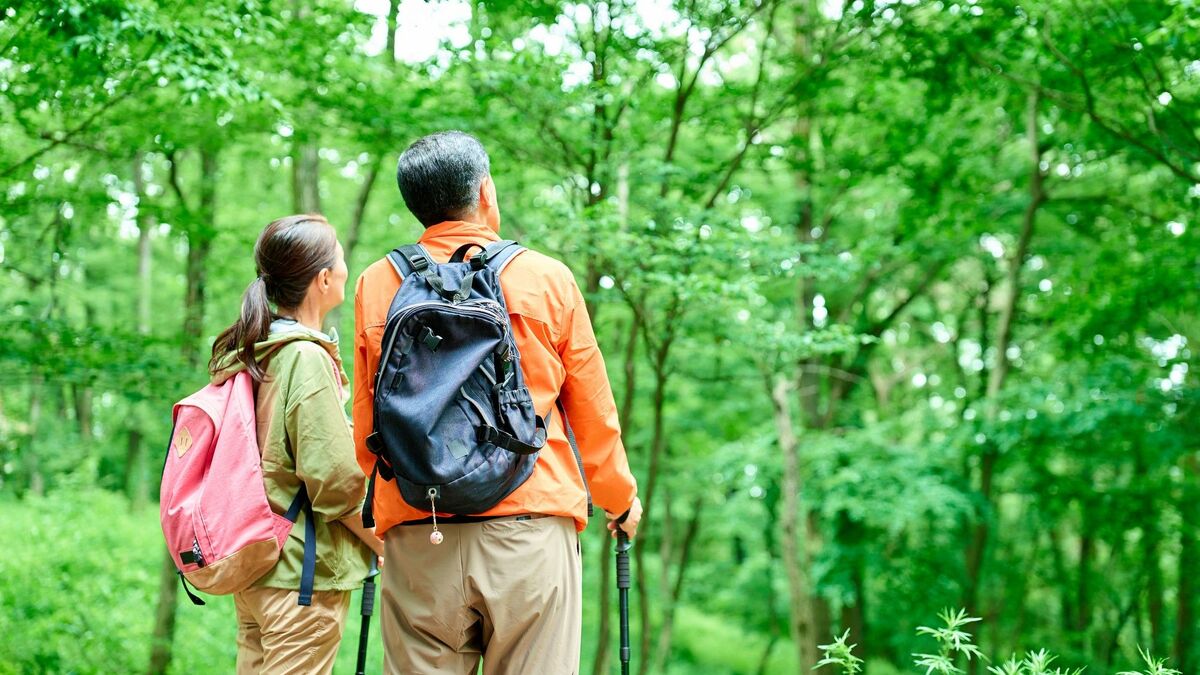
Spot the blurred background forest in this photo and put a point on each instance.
(899, 299)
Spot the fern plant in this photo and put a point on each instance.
(952, 641)
(840, 654)
(1153, 666)
(1034, 663)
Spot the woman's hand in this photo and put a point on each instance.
(353, 522)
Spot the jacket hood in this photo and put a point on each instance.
(283, 331)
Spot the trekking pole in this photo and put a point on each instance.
(623, 547)
(368, 608)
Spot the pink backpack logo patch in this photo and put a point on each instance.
(218, 525)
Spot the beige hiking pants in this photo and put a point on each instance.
(276, 636)
(508, 591)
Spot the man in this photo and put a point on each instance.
(505, 587)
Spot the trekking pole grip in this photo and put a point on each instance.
(368, 599)
(623, 547)
(368, 596)
(623, 579)
(368, 608)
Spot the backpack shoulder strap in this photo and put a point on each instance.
(308, 566)
(501, 253)
(562, 412)
(409, 259)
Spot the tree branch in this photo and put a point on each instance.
(65, 136)
(1114, 128)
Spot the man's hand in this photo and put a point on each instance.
(630, 525)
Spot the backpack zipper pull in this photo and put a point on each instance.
(197, 555)
(435, 537)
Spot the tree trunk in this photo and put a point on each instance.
(623, 193)
(354, 230)
(853, 614)
(822, 613)
(1186, 633)
(200, 235)
(676, 591)
(1062, 583)
(809, 392)
(145, 224)
(136, 485)
(1037, 197)
(765, 659)
(81, 396)
(392, 24)
(664, 525)
(977, 546)
(772, 615)
(37, 483)
(164, 618)
(816, 622)
(771, 499)
(306, 162)
(1151, 553)
(629, 368)
(794, 552)
(657, 443)
(1083, 587)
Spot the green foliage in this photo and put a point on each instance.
(785, 217)
(1034, 663)
(78, 584)
(952, 642)
(1153, 666)
(841, 654)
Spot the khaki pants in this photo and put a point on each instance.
(275, 635)
(508, 591)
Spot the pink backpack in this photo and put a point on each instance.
(219, 527)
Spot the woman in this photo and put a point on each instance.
(305, 440)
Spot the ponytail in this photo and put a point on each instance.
(289, 253)
(252, 327)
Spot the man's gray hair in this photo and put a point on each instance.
(439, 176)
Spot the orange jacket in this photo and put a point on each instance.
(559, 358)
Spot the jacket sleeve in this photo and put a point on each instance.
(364, 389)
(588, 399)
(320, 437)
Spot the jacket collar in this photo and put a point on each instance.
(458, 228)
(282, 332)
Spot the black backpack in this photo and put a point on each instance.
(454, 423)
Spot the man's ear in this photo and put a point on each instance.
(487, 194)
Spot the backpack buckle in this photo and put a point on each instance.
(419, 263)
(430, 339)
(375, 443)
(479, 261)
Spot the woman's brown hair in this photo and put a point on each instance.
(289, 253)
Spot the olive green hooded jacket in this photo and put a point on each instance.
(304, 436)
